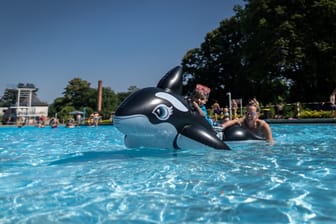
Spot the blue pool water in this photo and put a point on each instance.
(86, 175)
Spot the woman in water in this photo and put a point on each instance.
(252, 122)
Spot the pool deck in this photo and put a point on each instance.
(301, 121)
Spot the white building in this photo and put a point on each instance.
(27, 108)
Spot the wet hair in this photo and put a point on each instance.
(254, 103)
(198, 95)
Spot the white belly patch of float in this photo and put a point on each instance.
(140, 132)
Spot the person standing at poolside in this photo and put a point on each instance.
(216, 110)
(226, 114)
(234, 109)
(252, 122)
(79, 119)
(96, 118)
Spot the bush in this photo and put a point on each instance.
(317, 114)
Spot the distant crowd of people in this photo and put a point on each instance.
(93, 120)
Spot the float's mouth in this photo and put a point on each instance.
(130, 124)
(139, 125)
(135, 125)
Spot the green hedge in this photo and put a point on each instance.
(317, 114)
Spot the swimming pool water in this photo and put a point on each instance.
(87, 175)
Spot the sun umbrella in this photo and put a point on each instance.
(76, 112)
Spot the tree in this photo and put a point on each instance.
(123, 95)
(217, 63)
(293, 41)
(269, 49)
(77, 93)
(9, 98)
(110, 102)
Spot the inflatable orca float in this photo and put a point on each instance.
(160, 117)
(236, 133)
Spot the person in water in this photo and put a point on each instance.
(252, 122)
(198, 102)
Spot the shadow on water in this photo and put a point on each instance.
(114, 155)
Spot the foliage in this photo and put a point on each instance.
(110, 102)
(123, 95)
(273, 50)
(10, 95)
(9, 98)
(317, 114)
(78, 95)
(276, 51)
(63, 114)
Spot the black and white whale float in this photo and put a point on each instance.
(160, 117)
(236, 133)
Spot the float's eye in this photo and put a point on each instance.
(162, 112)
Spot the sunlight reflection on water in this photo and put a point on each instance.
(86, 175)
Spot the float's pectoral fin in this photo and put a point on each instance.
(203, 135)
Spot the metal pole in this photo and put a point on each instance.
(18, 98)
(241, 107)
(230, 105)
(84, 112)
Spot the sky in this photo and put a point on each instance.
(121, 42)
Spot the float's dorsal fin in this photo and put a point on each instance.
(172, 81)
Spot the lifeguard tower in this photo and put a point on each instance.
(28, 108)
